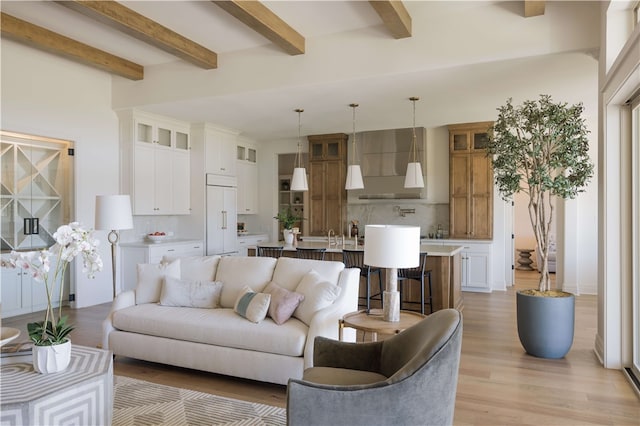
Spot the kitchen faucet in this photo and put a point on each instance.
(335, 243)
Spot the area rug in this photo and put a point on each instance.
(138, 403)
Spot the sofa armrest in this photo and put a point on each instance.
(325, 321)
(349, 355)
(122, 300)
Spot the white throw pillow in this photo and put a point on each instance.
(150, 279)
(318, 294)
(251, 305)
(191, 294)
(196, 268)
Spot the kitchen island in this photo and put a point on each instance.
(443, 261)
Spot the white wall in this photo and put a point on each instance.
(46, 95)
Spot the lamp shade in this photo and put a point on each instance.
(354, 178)
(414, 178)
(113, 212)
(299, 180)
(392, 246)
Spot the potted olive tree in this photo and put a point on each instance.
(287, 219)
(541, 148)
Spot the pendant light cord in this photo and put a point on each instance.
(413, 143)
(299, 154)
(353, 141)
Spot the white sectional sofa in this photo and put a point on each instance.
(157, 321)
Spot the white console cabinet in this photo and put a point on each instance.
(155, 163)
(141, 252)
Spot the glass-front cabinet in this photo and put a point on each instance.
(36, 197)
(36, 189)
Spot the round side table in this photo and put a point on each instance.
(524, 262)
(373, 323)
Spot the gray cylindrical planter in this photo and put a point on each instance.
(545, 324)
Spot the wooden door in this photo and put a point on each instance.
(459, 196)
(481, 197)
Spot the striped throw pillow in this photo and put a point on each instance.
(251, 305)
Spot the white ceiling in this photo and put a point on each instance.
(459, 52)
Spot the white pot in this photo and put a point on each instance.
(51, 359)
(288, 236)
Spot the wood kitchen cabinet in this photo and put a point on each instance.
(470, 182)
(327, 173)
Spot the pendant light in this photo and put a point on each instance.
(354, 175)
(414, 178)
(299, 179)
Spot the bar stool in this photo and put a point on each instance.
(417, 274)
(270, 251)
(311, 253)
(355, 259)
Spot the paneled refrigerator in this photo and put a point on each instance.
(222, 232)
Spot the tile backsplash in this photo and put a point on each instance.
(427, 216)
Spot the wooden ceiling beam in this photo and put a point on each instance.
(43, 39)
(261, 19)
(395, 17)
(533, 8)
(121, 18)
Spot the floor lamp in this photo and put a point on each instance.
(391, 247)
(113, 213)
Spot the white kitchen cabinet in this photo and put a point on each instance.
(219, 148)
(155, 163)
(141, 252)
(476, 267)
(222, 220)
(180, 178)
(247, 188)
(247, 172)
(475, 259)
(246, 241)
(21, 294)
(246, 151)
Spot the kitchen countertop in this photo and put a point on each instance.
(431, 249)
(171, 240)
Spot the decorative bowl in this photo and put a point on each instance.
(156, 238)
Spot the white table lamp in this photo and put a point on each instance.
(391, 247)
(113, 213)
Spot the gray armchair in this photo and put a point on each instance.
(406, 379)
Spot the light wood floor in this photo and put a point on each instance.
(498, 382)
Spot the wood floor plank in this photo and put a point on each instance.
(498, 382)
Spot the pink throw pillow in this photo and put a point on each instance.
(283, 302)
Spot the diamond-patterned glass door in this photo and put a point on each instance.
(35, 189)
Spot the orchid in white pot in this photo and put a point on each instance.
(71, 240)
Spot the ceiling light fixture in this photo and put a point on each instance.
(354, 175)
(299, 179)
(414, 178)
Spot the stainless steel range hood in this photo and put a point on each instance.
(383, 156)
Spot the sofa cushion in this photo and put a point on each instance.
(235, 272)
(194, 294)
(251, 305)
(221, 327)
(341, 376)
(283, 302)
(196, 268)
(318, 294)
(150, 280)
(289, 271)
